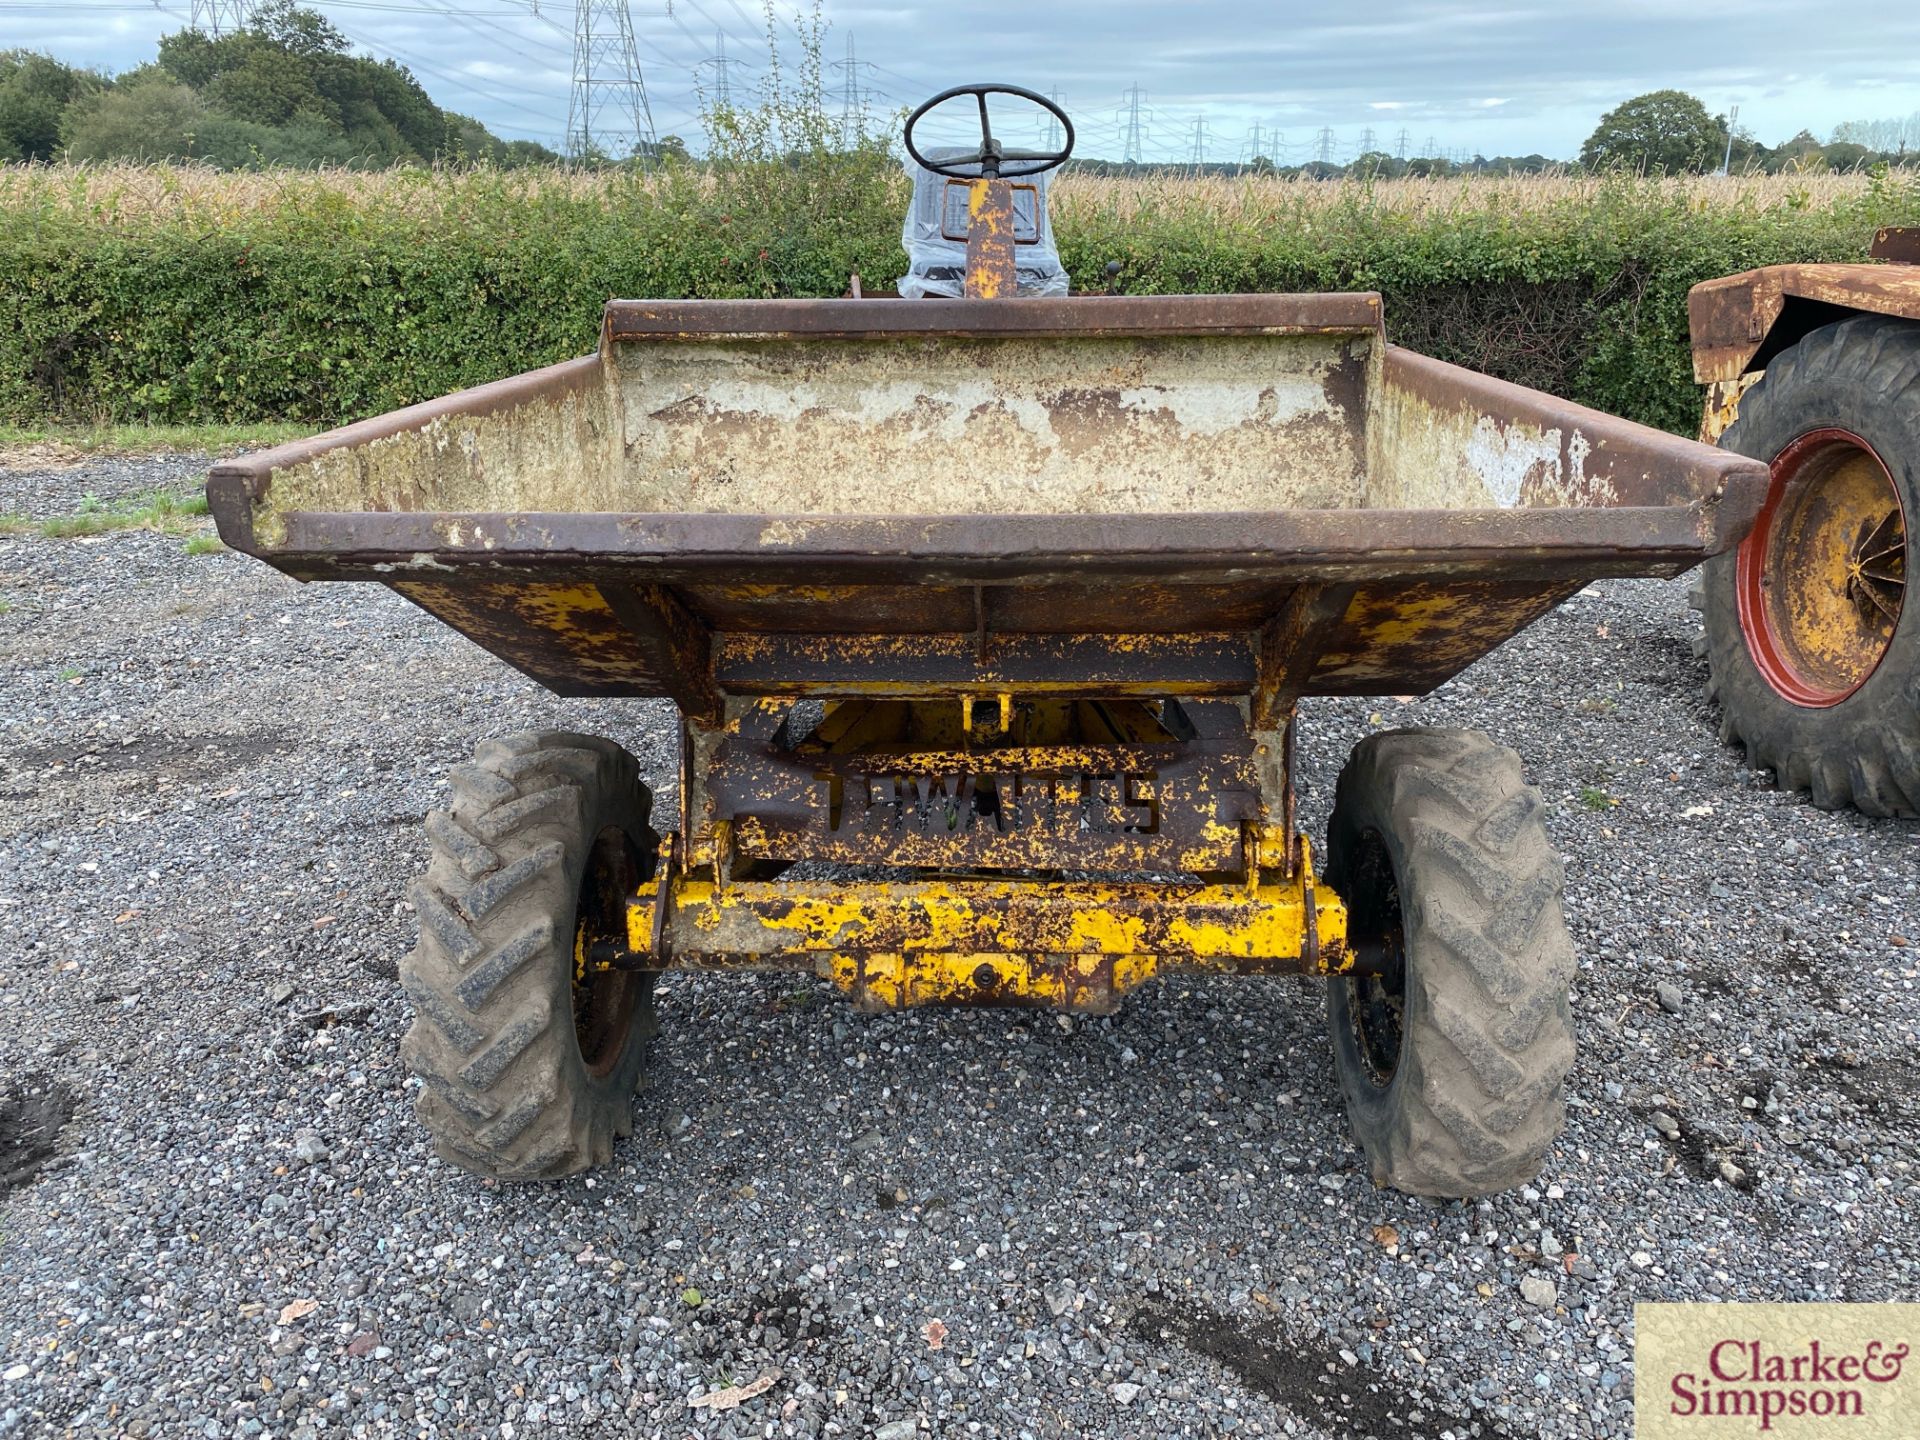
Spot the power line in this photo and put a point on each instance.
(514, 40)
(466, 83)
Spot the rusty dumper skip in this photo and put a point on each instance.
(1001, 607)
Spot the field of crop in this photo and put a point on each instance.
(173, 294)
(130, 191)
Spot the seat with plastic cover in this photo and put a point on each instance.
(935, 233)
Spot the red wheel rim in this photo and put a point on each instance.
(1821, 579)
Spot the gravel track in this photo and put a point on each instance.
(211, 783)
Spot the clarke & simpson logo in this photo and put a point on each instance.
(1802, 1372)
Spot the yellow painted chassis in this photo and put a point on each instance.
(1076, 945)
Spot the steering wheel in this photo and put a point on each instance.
(991, 155)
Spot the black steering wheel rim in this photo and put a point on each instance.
(990, 157)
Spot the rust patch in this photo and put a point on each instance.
(1088, 785)
(1419, 636)
(1896, 244)
(565, 636)
(1089, 425)
(1733, 319)
(990, 263)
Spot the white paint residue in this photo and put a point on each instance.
(1578, 448)
(874, 403)
(1503, 458)
(1214, 409)
(781, 533)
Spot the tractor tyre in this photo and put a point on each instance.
(1451, 1059)
(528, 1060)
(1813, 652)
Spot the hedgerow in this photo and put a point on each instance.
(152, 294)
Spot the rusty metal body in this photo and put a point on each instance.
(1740, 322)
(973, 593)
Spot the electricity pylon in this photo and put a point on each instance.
(608, 113)
(219, 17)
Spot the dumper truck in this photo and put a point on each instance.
(988, 618)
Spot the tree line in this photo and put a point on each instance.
(1664, 132)
(282, 91)
(285, 91)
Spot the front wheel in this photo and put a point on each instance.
(528, 1057)
(1452, 1057)
(1812, 644)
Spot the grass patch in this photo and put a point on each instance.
(204, 545)
(62, 441)
(6, 606)
(1594, 798)
(161, 510)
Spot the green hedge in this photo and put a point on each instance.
(321, 299)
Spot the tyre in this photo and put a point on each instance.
(528, 1072)
(1451, 1060)
(1813, 652)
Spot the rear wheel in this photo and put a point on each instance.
(528, 1057)
(1451, 1059)
(1813, 649)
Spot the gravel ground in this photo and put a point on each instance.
(40, 491)
(1156, 1224)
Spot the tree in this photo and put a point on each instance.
(1664, 131)
(1802, 152)
(242, 145)
(34, 91)
(153, 120)
(1746, 152)
(289, 70)
(1846, 155)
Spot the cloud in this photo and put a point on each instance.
(1499, 76)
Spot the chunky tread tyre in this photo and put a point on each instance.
(1862, 375)
(505, 1090)
(1445, 823)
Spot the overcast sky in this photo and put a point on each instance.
(1497, 78)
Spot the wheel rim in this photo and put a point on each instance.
(1376, 1003)
(1821, 580)
(603, 1000)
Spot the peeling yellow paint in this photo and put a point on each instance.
(1078, 943)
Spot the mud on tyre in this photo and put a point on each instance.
(529, 1059)
(1452, 1061)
